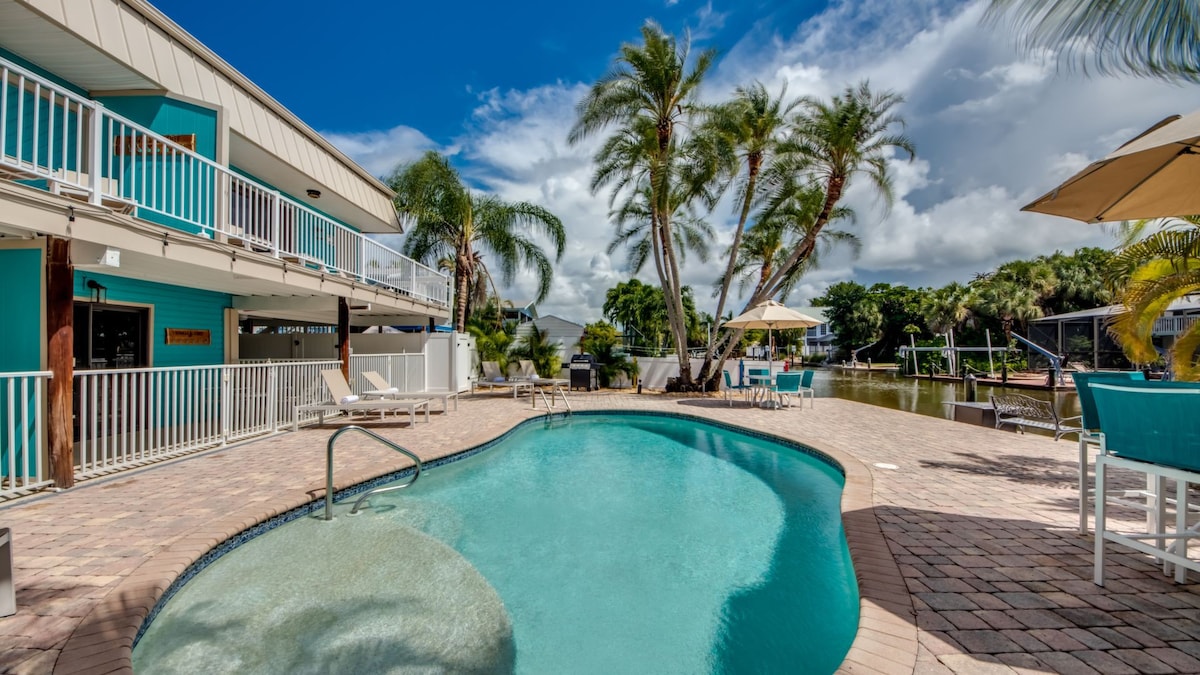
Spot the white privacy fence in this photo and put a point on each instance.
(406, 372)
(76, 146)
(22, 444)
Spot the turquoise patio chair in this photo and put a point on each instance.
(1151, 428)
(1090, 435)
(806, 388)
(760, 374)
(730, 387)
(787, 384)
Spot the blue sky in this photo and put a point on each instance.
(377, 63)
(493, 85)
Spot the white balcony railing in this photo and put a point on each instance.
(22, 444)
(1173, 325)
(75, 146)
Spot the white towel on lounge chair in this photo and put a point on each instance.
(347, 400)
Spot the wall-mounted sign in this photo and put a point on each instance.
(144, 145)
(188, 336)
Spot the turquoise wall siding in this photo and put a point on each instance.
(176, 185)
(169, 116)
(20, 348)
(21, 309)
(174, 307)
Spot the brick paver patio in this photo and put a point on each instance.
(966, 552)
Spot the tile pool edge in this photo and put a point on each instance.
(885, 642)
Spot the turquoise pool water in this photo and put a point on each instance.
(608, 544)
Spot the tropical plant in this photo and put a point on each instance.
(1010, 301)
(640, 310)
(1148, 39)
(602, 341)
(453, 223)
(492, 341)
(947, 308)
(1152, 273)
(536, 347)
(648, 93)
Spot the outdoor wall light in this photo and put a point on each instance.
(96, 289)
(313, 193)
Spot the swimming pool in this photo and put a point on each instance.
(610, 543)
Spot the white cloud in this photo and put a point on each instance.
(380, 151)
(993, 131)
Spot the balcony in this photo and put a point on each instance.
(1174, 325)
(72, 146)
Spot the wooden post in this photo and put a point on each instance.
(343, 329)
(60, 358)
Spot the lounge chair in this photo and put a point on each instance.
(383, 389)
(528, 372)
(730, 387)
(493, 379)
(343, 400)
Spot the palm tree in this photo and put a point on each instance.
(777, 232)
(634, 220)
(746, 134)
(832, 143)
(649, 92)
(1012, 303)
(453, 223)
(1144, 38)
(948, 307)
(835, 142)
(1153, 273)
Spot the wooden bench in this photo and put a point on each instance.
(1025, 411)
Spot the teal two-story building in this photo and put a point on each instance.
(175, 199)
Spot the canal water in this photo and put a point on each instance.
(921, 396)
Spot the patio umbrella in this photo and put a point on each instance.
(771, 315)
(1154, 175)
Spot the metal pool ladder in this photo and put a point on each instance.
(329, 469)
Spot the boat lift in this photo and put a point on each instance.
(1055, 359)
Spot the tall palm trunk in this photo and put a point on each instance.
(462, 282)
(833, 194)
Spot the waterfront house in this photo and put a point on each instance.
(152, 200)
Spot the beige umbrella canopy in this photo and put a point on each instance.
(770, 315)
(1154, 175)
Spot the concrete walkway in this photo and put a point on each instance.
(966, 552)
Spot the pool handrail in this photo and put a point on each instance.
(329, 468)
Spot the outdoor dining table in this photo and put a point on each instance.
(763, 387)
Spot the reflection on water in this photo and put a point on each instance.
(921, 396)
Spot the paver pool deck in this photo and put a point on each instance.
(967, 555)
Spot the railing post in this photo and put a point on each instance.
(95, 161)
(226, 404)
(275, 212)
(273, 395)
(363, 257)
